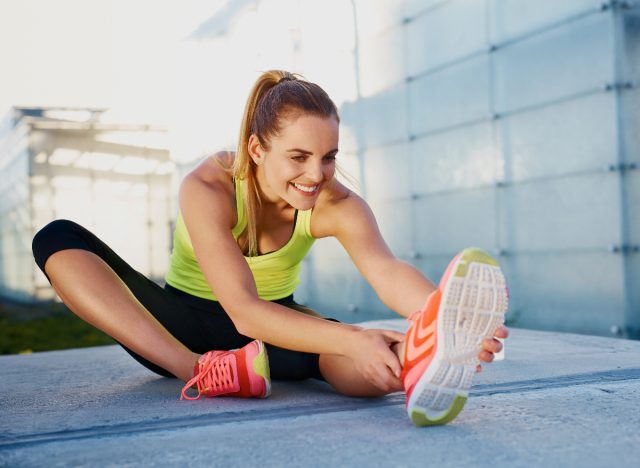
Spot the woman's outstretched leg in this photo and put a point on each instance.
(96, 294)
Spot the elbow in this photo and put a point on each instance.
(244, 328)
(240, 313)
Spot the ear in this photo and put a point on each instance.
(256, 151)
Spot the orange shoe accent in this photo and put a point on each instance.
(421, 342)
(240, 373)
(444, 338)
(422, 338)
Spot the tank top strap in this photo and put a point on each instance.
(303, 223)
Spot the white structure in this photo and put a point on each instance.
(65, 163)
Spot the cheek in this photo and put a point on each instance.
(329, 171)
(280, 177)
(277, 174)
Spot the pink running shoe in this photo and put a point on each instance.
(240, 373)
(443, 341)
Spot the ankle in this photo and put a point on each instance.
(186, 370)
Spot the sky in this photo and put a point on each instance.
(118, 54)
(140, 60)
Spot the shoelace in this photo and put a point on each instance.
(216, 370)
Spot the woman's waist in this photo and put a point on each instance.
(209, 304)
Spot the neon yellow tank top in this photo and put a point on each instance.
(276, 273)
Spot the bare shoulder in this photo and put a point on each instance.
(210, 180)
(214, 170)
(336, 206)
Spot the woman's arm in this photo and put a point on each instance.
(209, 216)
(399, 285)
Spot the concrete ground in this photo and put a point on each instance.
(557, 400)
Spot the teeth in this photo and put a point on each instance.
(305, 188)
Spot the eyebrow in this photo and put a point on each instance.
(292, 150)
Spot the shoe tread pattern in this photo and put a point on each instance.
(472, 307)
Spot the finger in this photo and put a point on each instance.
(394, 382)
(378, 374)
(393, 363)
(397, 386)
(485, 356)
(491, 345)
(501, 332)
(372, 377)
(394, 336)
(391, 382)
(379, 381)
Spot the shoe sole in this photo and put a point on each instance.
(261, 368)
(472, 306)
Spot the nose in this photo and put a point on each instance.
(314, 172)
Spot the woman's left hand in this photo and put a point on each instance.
(490, 346)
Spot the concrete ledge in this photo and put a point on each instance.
(557, 399)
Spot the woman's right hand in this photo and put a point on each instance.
(370, 350)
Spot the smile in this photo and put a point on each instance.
(307, 189)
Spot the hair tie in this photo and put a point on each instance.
(285, 78)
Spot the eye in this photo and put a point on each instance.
(299, 158)
(330, 159)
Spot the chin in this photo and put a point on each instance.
(303, 205)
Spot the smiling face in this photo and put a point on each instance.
(299, 162)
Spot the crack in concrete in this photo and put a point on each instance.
(557, 382)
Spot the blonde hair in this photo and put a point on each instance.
(275, 96)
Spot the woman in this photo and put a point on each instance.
(246, 221)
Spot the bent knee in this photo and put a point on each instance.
(52, 238)
(53, 230)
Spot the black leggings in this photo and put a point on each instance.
(200, 324)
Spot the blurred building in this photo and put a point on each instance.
(114, 179)
(507, 124)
